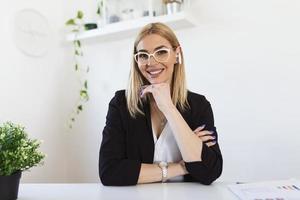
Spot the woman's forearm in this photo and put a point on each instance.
(151, 173)
(189, 144)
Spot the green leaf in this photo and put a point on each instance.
(78, 43)
(83, 93)
(99, 11)
(76, 67)
(76, 52)
(70, 22)
(79, 107)
(79, 14)
(85, 84)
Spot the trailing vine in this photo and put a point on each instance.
(100, 5)
(80, 68)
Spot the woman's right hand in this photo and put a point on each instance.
(205, 136)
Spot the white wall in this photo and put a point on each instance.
(243, 55)
(245, 58)
(35, 92)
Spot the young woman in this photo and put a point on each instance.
(157, 130)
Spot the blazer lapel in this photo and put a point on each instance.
(147, 146)
(148, 117)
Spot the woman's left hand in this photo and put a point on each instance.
(206, 136)
(161, 94)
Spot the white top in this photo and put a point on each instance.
(166, 149)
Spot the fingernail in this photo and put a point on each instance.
(202, 126)
(212, 132)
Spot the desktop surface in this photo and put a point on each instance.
(162, 191)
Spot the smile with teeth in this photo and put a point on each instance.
(154, 72)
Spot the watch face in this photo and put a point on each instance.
(163, 164)
(31, 32)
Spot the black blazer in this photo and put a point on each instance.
(128, 142)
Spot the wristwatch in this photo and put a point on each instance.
(164, 170)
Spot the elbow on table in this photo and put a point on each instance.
(207, 181)
(212, 177)
(205, 177)
(105, 181)
(108, 180)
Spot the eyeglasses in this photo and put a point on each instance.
(160, 55)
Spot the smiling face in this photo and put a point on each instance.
(159, 69)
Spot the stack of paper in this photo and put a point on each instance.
(272, 190)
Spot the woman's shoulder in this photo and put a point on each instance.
(194, 97)
(198, 104)
(120, 94)
(119, 98)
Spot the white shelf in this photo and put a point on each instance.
(128, 28)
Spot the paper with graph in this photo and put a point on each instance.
(271, 190)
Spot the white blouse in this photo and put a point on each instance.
(166, 149)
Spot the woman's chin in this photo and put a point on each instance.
(157, 81)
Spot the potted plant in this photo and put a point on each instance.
(17, 153)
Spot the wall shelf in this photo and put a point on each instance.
(129, 28)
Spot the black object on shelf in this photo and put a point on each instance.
(90, 26)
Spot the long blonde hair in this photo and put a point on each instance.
(136, 79)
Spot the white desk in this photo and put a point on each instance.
(155, 191)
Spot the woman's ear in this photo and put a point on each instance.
(178, 55)
(178, 58)
(178, 50)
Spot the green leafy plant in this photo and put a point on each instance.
(100, 5)
(77, 25)
(17, 151)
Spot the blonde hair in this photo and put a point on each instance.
(136, 79)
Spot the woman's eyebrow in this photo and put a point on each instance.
(159, 47)
(142, 50)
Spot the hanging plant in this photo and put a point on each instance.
(99, 7)
(100, 13)
(80, 68)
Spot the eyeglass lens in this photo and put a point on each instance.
(160, 55)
